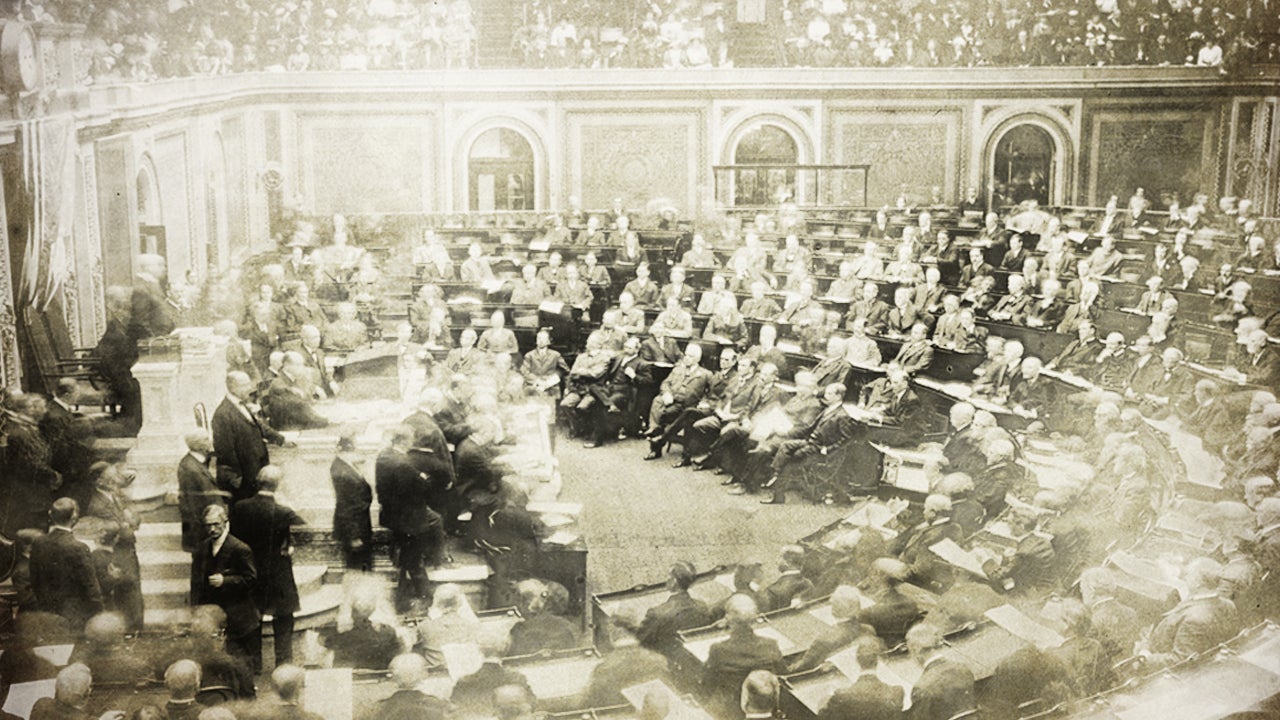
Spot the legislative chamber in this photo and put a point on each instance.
(506, 359)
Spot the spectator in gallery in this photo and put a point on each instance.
(699, 256)
(497, 338)
(595, 274)
(348, 332)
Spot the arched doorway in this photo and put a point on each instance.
(151, 233)
(766, 145)
(500, 172)
(1024, 165)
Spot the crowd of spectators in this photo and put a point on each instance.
(146, 39)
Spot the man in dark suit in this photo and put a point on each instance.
(289, 682)
(417, 532)
(265, 526)
(197, 489)
(71, 697)
(832, 429)
(62, 574)
(917, 352)
(151, 314)
(240, 438)
(70, 453)
(182, 680)
(962, 449)
(913, 546)
(945, 688)
(680, 611)
(732, 659)
(791, 583)
(110, 502)
(29, 481)
(682, 389)
(117, 352)
(408, 702)
(868, 698)
(616, 394)
(308, 346)
(223, 573)
(352, 524)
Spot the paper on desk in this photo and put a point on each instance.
(461, 659)
(23, 696)
(1077, 236)
(561, 537)
(551, 306)
(539, 245)
(677, 708)
(700, 648)
(1018, 624)
(492, 286)
(58, 655)
(329, 693)
(788, 347)
(871, 514)
(463, 573)
(565, 678)
(847, 539)
(954, 554)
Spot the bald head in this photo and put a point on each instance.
(182, 680)
(408, 670)
(289, 681)
(740, 610)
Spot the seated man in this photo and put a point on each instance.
(1047, 311)
(675, 320)
(901, 413)
(745, 397)
(573, 291)
(699, 255)
(540, 629)
(1000, 372)
(612, 335)
(725, 325)
(497, 338)
(682, 389)
(1012, 308)
(408, 671)
(870, 308)
(846, 286)
(466, 358)
(731, 373)
(367, 645)
(1162, 385)
(860, 350)
(902, 315)
(1032, 395)
(290, 397)
(661, 626)
(917, 352)
(589, 369)
(347, 332)
(926, 568)
(475, 269)
(676, 288)
(832, 429)
(1113, 366)
(710, 299)
(1000, 476)
(630, 319)
(544, 369)
(731, 660)
(595, 275)
(1079, 353)
(747, 448)
(643, 289)
(760, 306)
(182, 680)
(529, 289)
(553, 272)
(615, 406)
(1031, 566)
(833, 367)
(104, 652)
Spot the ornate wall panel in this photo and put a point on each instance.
(912, 150)
(1159, 152)
(92, 299)
(362, 164)
(638, 156)
(173, 178)
(113, 172)
(237, 188)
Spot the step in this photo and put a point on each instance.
(319, 609)
(159, 536)
(165, 564)
(171, 592)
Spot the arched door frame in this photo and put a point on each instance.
(462, 158)
(1064, 152)
(745, 125)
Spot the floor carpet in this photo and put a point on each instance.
(639, 517)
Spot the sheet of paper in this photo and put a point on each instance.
(1017, 623)
(329, 693)
(23, 696)
(846, 661)
(562, 537)
(555, 307)
(951, 552)
(871, 514)
(492, 286)
(461, 659)
(539, 245)
(463, 573)
(59, 655)
(559, 679)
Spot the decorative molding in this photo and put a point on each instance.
(639, 155)
(354, 163)
(1060, 118)
(1171, 151)
(915, 148)
(93, 240)
(466, 123)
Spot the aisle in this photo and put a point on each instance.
(639, 517)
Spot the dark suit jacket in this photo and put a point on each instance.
(944, 690)
(431, 448)
(915, 356)
(352, 500)
(410, 705)
(63, 578)
(197, 490)
(475, 691)
(50, 709)
(541, 632)
(731, 660)
(241, 446)
(314, 359)
(782, 591)
(662, 623)
(289, 405)
(234, 562)
(866, 699)
(403, 492)
(264, 525)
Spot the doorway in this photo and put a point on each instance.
(1024, 165)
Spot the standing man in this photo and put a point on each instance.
(62, 575)
(352, 526)
(240, 438)
(197, 489)
(151, 314)
(223, 574)
(265, 526)
(110, 502)
(417, 531)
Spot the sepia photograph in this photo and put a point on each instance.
(639, 359)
